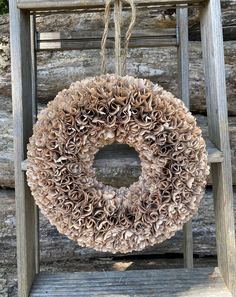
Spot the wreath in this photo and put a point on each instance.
(99, 111)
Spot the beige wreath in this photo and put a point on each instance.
(96, 112)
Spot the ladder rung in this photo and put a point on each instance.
(125, 156)
(86, 40)
(71, 4)
(214, 154)
(206, 282)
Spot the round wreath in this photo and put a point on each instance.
(96, 112)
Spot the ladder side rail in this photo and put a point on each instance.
(34, 114)
(22, 118)
(183, 92)
(213, 60)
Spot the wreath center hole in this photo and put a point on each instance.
(117, 165)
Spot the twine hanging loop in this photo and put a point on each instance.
(120, 58)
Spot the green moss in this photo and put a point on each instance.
(3, 6)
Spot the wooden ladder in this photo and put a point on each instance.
(175, 282)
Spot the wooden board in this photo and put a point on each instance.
(121, 155)
(214, 69)
(34, 119)
(57, 251)
(23, 122)
(88, 40)
(205, 282)
(183, 92)
(116, 161)
(55, 4)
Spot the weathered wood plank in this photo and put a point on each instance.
(8, 272)
(121, 155)
(183, 55)
(213, 58)
(157, 17)
(34, 119)
(84, 44)
(214, 155)
(162, 283)
(66, 255)
(88, 34)
(183, 85)
(56, 69)
(54, 4)
(22, 110)
(85, 40)
(119, 165)
(34, 66)
(6, 148)
(163, 18)
(188, 244)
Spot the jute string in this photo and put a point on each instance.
(120, 58)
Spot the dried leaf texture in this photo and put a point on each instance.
(96, 112)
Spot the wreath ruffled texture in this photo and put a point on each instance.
(99, 111)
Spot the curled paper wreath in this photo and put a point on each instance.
(96, 112)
